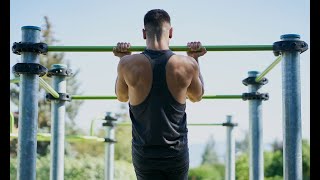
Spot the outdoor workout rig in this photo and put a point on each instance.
(110, 122)
(30, 72)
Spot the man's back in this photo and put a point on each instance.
(157, 87)
(138, 76)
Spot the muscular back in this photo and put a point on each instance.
(182, 76)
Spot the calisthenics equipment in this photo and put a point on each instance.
(290, 47)
(173, 48)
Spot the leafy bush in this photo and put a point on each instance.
(206, 172)
(84, 167)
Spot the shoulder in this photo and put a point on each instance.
(184, 61)
(130, 60)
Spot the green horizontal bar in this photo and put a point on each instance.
(15, 80)
(48, 88)
(173, 48)
(43, 84)
(222, 97)
(11, 122)
(71, 138)
(268, 69)
(189, 124)
(86, 97)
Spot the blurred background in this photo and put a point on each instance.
(210, 22)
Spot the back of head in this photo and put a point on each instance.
(154, 22)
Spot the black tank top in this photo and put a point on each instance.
(159, 124)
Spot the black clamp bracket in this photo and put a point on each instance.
(229, 124)
(108, 123)
(62, 97)
(289, 45)
(29, 68)
(252, 80)
(59, 72)
(255, 96)
(111, 116)
(40, 48)
(108, 140)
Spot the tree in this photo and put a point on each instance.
(123, 136)
(209, 155)
(277, 145)
(243, 146)
(44, 116)
(273, 164)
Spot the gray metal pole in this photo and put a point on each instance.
(291, 112)
(58, 111)
(230, 160)
(255, 131)
(109, 153)
(28, 110)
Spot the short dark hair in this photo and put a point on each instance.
(154, 19)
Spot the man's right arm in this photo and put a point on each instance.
(195, 90)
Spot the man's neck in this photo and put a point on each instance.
(157, 45)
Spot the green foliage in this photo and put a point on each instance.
(273, 163)
(206, 172)
(306, 159)
(92, 148)
(123, 145)
(83, 167)
(209, 155)
(242, 167)
(243, 146)
(275, 167)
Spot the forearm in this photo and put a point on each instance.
(200, 76)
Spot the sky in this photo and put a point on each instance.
(211, 22)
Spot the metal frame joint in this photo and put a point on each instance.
(62, 97)
(29, 68)
(255, 96)
(289, 45)
(39, 48)
(252, 80)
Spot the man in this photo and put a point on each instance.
(157, 83)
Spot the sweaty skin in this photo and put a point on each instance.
(134, 79)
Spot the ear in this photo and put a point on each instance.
(170, 33)
(144, 34)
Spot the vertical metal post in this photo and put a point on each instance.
(291, 112)
(255, 132)
(109, 152)
(109, 146)
(58, 111)
(28, 110)
(230, 160)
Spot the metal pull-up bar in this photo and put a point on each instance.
(173, 48)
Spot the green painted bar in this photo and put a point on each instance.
(43, 84)
(93, 97)
(15, 80)
(48, 88)
(268, 69)
(173, 48)
(71, 138)
(189, 124)
(222, 97)
(11, 122)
